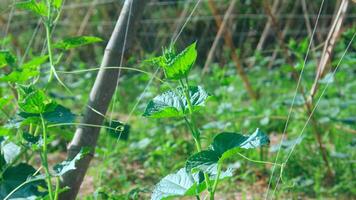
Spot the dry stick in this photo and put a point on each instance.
(100, 97)
(284, 33)
(329, 45)
(307, 22)
(308, 104)
(217, 37)
(267, 28)
(229, 42)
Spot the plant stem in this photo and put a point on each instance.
(216, 182)
(45, 159)
(57, 189)
(49, 49)
(194, 128)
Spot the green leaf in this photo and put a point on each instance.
(39, 8)
(174, 104)
(57, 3)
(118, 130)
(14, 176)
(174, 185)
(69, 165)
(59, 115)
(36, 102)
(225, 145)
(177, 66)
(203, 161)
(75, 42)
(27, 71)
(6, 58)
(226, 141)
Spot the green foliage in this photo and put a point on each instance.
(37, 7)
(14, 176)
(6, 58)
(118, 130)
(173, 103)
(71, 43)
(176, 66)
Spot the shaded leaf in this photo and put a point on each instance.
(75, 42)
(118, 130)
(6, 58)
(202, 160)
(14, 176)
(174, 104)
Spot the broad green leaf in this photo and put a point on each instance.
(36, 102)
(60, 114)
(20, 76)
(14, 176)
(35, 62)
(75, 42)
(174, 185)
(6, 58)
(10, 151)
(39, 8)
(203, 160)
(182, 184)
(174, 104)
(69, 165)
(225, 145)
(177, 66)
(118, 130)
(226, 141)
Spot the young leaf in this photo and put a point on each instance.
(75, 42)
(39, 8)
(177, 66)
(36, 102)
(27, 71)
(6, 58)
(57, 3)
(69, 165)
(174, 104)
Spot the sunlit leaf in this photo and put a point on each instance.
(177, 66)
(39, 8)
(57, 3)
(36, 102)
(174, 104)
(75, 42)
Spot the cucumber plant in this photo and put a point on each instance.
(204, 169)
(28, 132)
